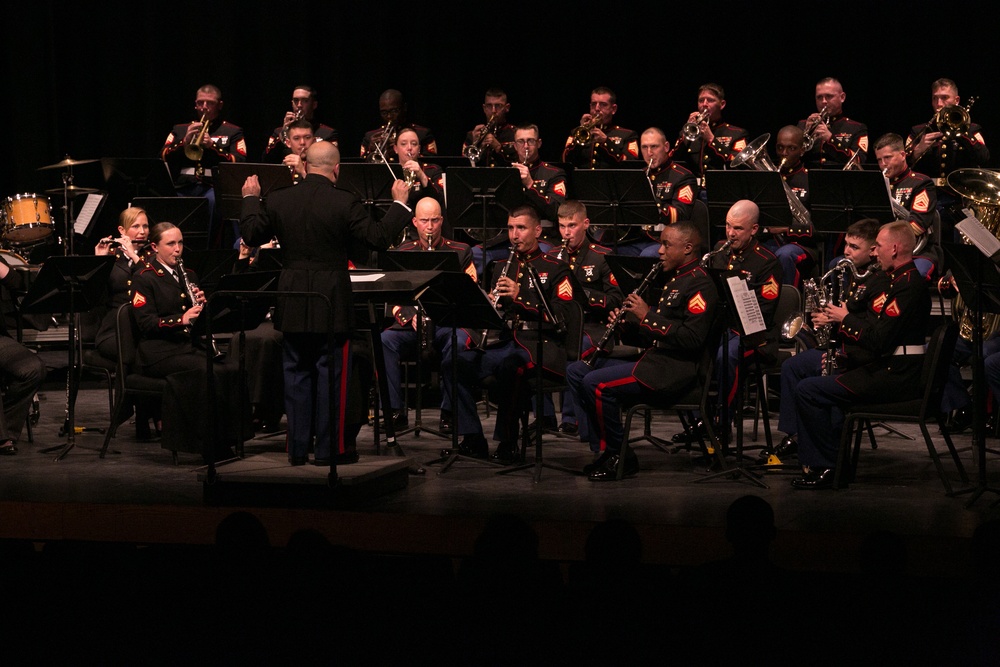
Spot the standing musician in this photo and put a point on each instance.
(674, 334)
(544, 189)
(914, 192)
(859, 298)
(835, 138)
(392, 109)
(794, 246)
(21, 372)
(517, 296)
(315, 223)
(304, 103)
(674, 189)
(705, 141)
(400, 339)
(495, 148)
(890, 348)
(936, 155)
(597, 143)
(165, 305)
(587, 262)
(751, 261)
(425, 179)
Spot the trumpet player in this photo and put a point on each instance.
(835, 138)
(400, 339)
(304, 103)
(598, 143)
(392, 109)
(673, 334)
(857, 294)
(298, 138)
(495, 148)
(706, 141)
(914, 192)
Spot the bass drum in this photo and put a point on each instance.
(27, 219)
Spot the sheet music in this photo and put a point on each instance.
(746, 306)
(981, 237)
(87, 212)
(366, 277)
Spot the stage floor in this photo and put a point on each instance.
(138, 495)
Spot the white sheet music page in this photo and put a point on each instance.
(981, 237)
(746, 306)
(87, 212)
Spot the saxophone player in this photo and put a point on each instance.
(674, 334)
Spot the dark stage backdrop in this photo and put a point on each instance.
(110, 79)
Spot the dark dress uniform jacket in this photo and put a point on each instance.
(315, 223)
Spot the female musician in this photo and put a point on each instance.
(165, 305)
(426, 178)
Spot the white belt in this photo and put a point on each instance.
(189, 171)
(904, 350)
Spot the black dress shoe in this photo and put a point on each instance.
(690, 434)
(598, 462)
(569, 428)
(505, 453)
(297, 460)
(609, 471)
(820, 478)
(400, 419)
(473, 445)
(444, 425)
(787, 446)
(961, 420)
(8, 448)
(548, 424)
(347, 458)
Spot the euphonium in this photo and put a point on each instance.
(193, 150)
(980, 189)
(690, 130)
(755, 156)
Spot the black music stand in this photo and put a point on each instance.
(408, 260)
(483, 199)
(730, 315)
(211, 266)
(240, 303)
(190, 214)
(616, 198)
(229, 179)
(764, 188)
(137, 177)
(979, 284)
(71, 285)
(839, 198)
(372, 183)
(456, 302)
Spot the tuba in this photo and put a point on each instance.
(754, 155)
(981, 190)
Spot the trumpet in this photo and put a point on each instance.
(691, 129)
(193, 150)
(620, 315)
(583, 133)
(808, 140)
(284, 128)
(474, 151)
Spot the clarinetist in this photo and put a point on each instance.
(673, 336)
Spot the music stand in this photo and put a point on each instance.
(616, 198)
(482, 198)
(190, 214)
(211, 266)
(139, 177)
(408, 260)
(229, 179)
(269, 259)
(72, 285)
(839, 198)
(764, 188)
(371, 183)
(979, 284)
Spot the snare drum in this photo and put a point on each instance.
(27, 218)
(13, 259)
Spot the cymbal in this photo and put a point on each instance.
(65, 162)
(72, 190)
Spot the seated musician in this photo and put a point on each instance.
(304, 103)
(888, 360)
(587, 262)
(794, 246)
(674, 334)
(860, 298)
(299, 137)
(517, 296)
(714, 142)
(544, 187)
(426, 180)
(915, 193)
(835, 137)
(21, 372)
(131, 255)
(400, 340)
(750, 260)
(165, 310)
(392, 109)
(495, 148)
(598, 143)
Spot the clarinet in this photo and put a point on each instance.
(610, 331)
(190, 290)
(495, 294)
(426, 326)
(563, 248)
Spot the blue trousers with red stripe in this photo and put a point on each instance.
(600, 392)
(307, 368)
